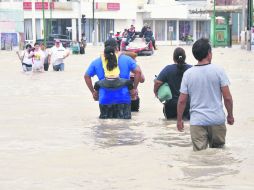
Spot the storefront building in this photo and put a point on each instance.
(177, 21)
(171, 20)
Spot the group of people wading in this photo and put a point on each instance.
(197, 91)
(38, 58)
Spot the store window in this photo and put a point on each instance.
(28, 29)
(171, 30)
(38, 28)
(203, 29)
(104, 27)
(88, 29)
(159, 30)
(185, 29)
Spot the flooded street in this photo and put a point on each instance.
(51, 137)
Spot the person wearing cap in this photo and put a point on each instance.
(143, 30)
(111, 35)
(56, 56)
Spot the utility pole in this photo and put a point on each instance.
(93, 33)
(243, 31)
(249, 23)
(50, 9)
(43, 18)
(93, 15)
(214, 22)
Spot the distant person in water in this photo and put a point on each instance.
(38, 57)
(56, 56)
(25, 59)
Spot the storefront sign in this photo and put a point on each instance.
(38, 5)
(113, 6)
(198, 11)
(100, 6)
(27, 5)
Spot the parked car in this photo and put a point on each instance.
(50, 41)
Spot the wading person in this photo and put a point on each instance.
(38, 57)
(113, 71)
(56, 56)
(26, 61)
(46, 64)
(135, 101)
(205, 84)
(173, 74)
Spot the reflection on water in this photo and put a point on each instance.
(198, 169)
(116, 133)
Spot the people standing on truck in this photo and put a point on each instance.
(148, 35)
(143, 30)
(131, 34)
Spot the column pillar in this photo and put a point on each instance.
(74, 29)
(33, 22)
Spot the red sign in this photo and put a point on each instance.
(113, 6)
(101, 6)
(27, 5)
(38, 5)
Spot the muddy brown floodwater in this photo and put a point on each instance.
(51, 137)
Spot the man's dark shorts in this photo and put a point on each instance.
(115, 111)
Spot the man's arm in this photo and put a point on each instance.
(182, 100)
(89, 84)
(228, 102)
(20, 57)
(157, 84)
(137, 77)
(142, 78)
(67, 53)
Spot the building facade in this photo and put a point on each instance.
(171, 20)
